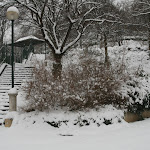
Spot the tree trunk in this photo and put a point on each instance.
(119, 42)
(57, 67)
(80, 43)
(100, 42)
(149, 31)
(149, 38)
(106, 49)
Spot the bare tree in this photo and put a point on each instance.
(141, 15)
(62, 23)
(3, 28)
(111, 25)
(3, 23)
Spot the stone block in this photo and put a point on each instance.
(8, 122)
(132, 117)
(146, 114)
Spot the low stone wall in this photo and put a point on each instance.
(132, 117)
(146, 114)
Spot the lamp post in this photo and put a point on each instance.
(12, 14)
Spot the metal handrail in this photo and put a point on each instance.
(2, 61)
(28, 49)
(4, 58)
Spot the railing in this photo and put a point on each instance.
(20, 53)
(2, 68)
(3, 61)
(4, 58)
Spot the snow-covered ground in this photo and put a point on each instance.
(134, 136)
(86, 130)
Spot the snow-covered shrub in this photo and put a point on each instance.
(86, 85)
(137, 92)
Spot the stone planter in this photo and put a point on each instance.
(146, 113)
(8, 122)
(132, 117)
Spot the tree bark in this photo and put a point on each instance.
(149, 39)
(106, 49)
(57, 67)
(57, 64)
(149, 31)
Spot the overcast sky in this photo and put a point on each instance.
(120, 1)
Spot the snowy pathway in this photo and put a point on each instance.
(134, 136)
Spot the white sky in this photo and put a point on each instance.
(120, 1)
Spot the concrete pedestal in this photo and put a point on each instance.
(13, 102)
(12, 105)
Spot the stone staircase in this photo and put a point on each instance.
(21, 73)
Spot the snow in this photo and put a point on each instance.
(34, 130)
(13, 91)
(7, 36)
(134, 56)
(1, 3)
(27, 37)
(11, 115)
(122, 1)
(65, 119)
(134, 136)
(2, 66)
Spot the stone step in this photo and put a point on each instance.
(4, 91)
(9, 84)
(4, 99)
(1, 121)
(9, 81)
(21, 74)
(4, 104)
(18, 78)
(3, 112)
(1, 117)
(4, 108)
(20, 70)
(2, 96)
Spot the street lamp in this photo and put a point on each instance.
(12, 14)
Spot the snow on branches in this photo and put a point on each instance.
(62, 23)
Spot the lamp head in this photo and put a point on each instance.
(12, 13)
